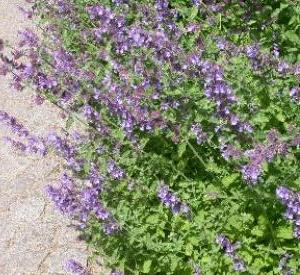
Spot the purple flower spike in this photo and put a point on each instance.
(64, 62)
(263, 153)
(15, 144)
(28, 38)
(196, 269)
(229, 151)
(95, 177)
(295, 93)
(198, 132)
(292, 201)
(283, 67)
(64, 196)
(115, 171)
(119, 2)
(252, 51)
(196, 3)
(110, 228)
(225, 244)
(230, 250)
(63, 6)
(79, 204)
(31, 144)
(172, 201)
(101, 212)
(76, 268)
(282, 266)
(67, 150)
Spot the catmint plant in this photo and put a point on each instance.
(191, 118)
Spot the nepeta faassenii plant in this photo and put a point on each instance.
(192, 152)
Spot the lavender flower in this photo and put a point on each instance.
(262, 153)
(252, 172)
(28, 38)
(252, 51)
(115, 171)
(198, 132)
(15, 144)
(95, 177)
(44, 82)
(89, 198)
(119, 2)
(282, 266)
(295, 93)
(216, 89)
(64, 62)
(229, 151)
(101, 212)
(171, 201)
(230, 250)
(67, 150)
(196, 269)
(276, 50)
(283, 67)
(76, 268)
(63, 6)
(90, 114)
(292, 201)
(32, 143)
(65, 196)
(196, 3)
(96, 12)
(79, 204)
(27, 72)
(111, 227)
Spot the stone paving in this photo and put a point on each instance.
(34, 238)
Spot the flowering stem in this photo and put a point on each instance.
(75, 116)
(195, 153)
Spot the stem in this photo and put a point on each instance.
(195, 153)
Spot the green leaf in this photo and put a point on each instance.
(285, 232)
(147, 266)
(297, 182)
(194, 240)
(189, 249)
(257, 231)
(200, 218)
(152, 219)
(174, 263)
(211, 166)
(234, 221)
(181, 149)
(261, 119)
(292, 36)
(193, 13)
(228, 180)
(258, 264)
(277, 11)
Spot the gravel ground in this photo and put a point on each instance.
(34, 238)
